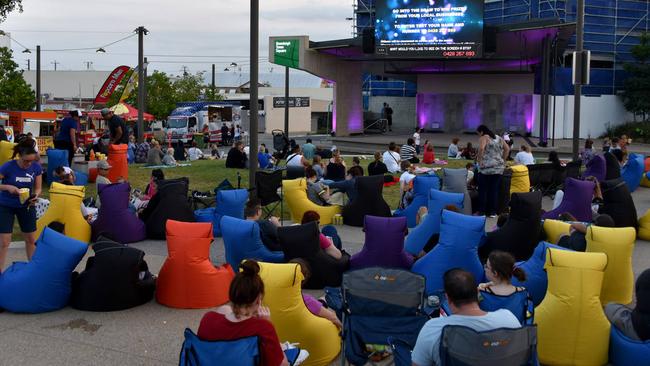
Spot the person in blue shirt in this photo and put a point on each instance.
(308, 150)
(22, 173)
(264, 158)
(66, 139)
(347, 186)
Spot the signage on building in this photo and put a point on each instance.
(294, 102)
(287, 52)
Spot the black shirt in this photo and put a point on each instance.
(236, 159)
(113, 124)
(377, 168)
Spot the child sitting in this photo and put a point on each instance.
(315, 306)
(65, 175)
(405, 182)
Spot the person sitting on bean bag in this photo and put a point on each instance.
(633, 323)
(315, 306)
(576, 240)
(331, 244)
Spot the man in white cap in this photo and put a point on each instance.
(66, 139)
(116, 127)
(102, 172)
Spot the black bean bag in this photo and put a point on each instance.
(302, 241)
(369, 201)
(170, 203)
(504, 192)
(521, 233)
(618, 203)
(115, 278)
(613, 168)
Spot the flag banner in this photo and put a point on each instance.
(131, 83)
(111, 83)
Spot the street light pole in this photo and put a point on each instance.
(38, 78)
(580, 25)
(286, 102)
(254, 60)
(141, 92)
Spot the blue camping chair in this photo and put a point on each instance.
(519, 303)
(624, 351)
(536, 278)
(229, 203)
(632, 171)
(243, 241)
(422, 184)
(460, 236)
(378, 303)
(430, 226)
(197, 352)
(55, 159)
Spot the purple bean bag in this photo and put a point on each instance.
(384, 246)
(115, 220)
(596, 168)
(577, 200)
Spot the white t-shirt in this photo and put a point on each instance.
(406, 178)
(195, 153)
(470, 175)
(294, 160)
(67, 170)
(524, 158)
(427, 347)
(416, 137)
(391, 159)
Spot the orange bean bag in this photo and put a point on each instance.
(117, 159)
(187, 279)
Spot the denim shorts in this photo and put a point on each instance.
(26, 219)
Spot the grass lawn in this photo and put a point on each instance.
(205, 175)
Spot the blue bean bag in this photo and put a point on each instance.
(624, 351)
(421, 234)
(55, 159)
(44, 283)
(243, 241)
(229, 203)
(204, 214)
(81, 179)
(632, 171)
(422, 184)
(460, 236)
(536, 279)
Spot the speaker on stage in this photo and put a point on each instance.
(490, 40)
(368, 41)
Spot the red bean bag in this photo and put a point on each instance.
(187, 279)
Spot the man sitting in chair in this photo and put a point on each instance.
(462, 295)
(268, 228)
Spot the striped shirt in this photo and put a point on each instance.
(407, 152)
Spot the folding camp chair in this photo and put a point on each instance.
(294, 172)
(267, 184)
(462, 346)
(378, 303)
(534, 176)
(550, 179)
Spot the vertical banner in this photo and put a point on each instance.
(131, 83)
(114, 79)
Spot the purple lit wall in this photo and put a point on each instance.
(465, 112)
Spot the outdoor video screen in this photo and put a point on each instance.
(429, 28)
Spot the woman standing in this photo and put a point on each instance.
(492, 153)
(16, 176)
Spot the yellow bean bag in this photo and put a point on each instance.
(618, 244)
(554, 229)
(292, 320)
(644, 226)
(295, 191)
(65, 207)
(6, 151)
(571, 326)
(520, 182)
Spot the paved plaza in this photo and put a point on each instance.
(150, 334)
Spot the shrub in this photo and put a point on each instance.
(639, 131)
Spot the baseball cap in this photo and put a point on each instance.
(105, 111)
(103, 164)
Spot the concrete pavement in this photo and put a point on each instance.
(150, 334)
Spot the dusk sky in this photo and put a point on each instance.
(177, 28)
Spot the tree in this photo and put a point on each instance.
(15, 93)
(7, 6)
(188, 87)
(160, 95)
(636, 96)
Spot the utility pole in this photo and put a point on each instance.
(29, 64)
(141, 33)
(88, 64)
(580, 30)
(254, 59)
(146, 64)
(55, 62)
(214, 86)
(38, 78)
(286, 101)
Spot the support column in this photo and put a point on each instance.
(348, 100)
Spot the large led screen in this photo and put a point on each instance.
(429, 28)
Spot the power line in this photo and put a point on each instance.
(92, 48)
(63, 31)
